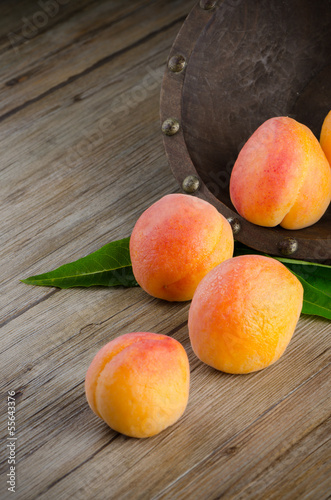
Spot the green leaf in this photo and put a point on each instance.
(111, 266)
(319, 276)
(108, 266)
(315, 302)
(315, 279)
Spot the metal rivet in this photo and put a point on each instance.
(177, 63)
(191, 184)
(170, 126)
(207, 4)
(235, 224)
(287, 246)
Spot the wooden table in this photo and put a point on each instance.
(81, 159)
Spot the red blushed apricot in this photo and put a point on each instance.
(243, 314)
(325, 138)
(139, 383)
(281, 176)
(175, 243)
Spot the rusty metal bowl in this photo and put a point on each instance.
(233, 65)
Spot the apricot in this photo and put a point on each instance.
(139, 383)
(325, 137)
(175, 243)
(281, 176)
(243, 314)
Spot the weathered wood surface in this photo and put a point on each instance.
(81, 158)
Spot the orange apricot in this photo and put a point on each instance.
(175, 243)
(139, 383)
(325, 137)
(243, 314)
(281, 176)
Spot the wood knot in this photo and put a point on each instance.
(231, 450)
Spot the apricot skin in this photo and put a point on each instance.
(325, 138)
(139, 383)
(281, 176)
(175, 243)
(243, 314)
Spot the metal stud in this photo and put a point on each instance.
(177, 63)
(235, 224)
(170, 126)
(287, 246)
(191, 184)
(207, 4)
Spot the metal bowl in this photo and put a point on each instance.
(233, 65)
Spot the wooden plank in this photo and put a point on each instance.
(53, 60)
(29, 20)
(259, 461)
(57, 427)
(75, 160)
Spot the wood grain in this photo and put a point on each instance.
(82, 157)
